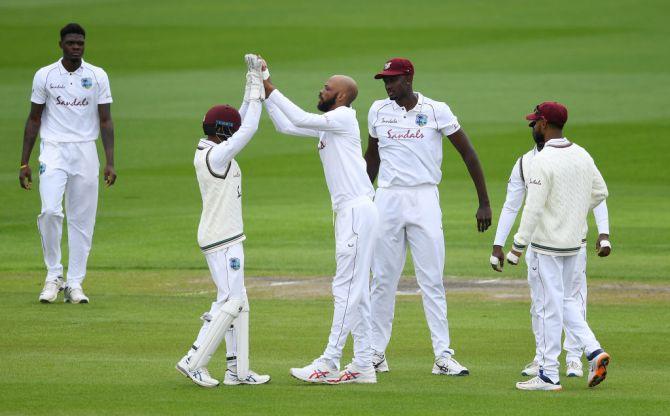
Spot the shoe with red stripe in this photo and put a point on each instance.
(598, 362)
(316, 372)
(354, 374)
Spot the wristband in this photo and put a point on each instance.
(266, 74)
(24, 166)
(605, 243)
(494, 261)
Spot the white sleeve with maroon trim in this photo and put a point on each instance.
(283, 124)
(104, 90)
(447, 122)
(39, 92)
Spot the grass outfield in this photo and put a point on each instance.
(116, 355)
(169, 61)
(492, 63)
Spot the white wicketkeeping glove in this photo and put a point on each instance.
(254, 78)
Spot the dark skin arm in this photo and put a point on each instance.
(372, 158)
(107, 134)
(461, 142)
(29, 136)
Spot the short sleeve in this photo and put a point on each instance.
(104, 90)
(39, 92)
(372, 117)
(447, 122)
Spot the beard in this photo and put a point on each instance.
(538, 137)
(326, 105)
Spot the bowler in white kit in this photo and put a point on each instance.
(339, 146)
(220, 237)
(563, 185)
(405, 148)
(70, 105)
(516, 191)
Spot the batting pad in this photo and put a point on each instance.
(242, 341)
(215, 333)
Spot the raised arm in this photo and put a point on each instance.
(283, 124)
(516, 190)
(224, 152)
(301, 118)
(461, 142)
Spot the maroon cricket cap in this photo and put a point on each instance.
(223, 115)
(553, 112)
(396, 66)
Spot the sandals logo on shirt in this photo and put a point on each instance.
(421, 119)
(87, 83)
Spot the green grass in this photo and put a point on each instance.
(169, 61)
(116, 356)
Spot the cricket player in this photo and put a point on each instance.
(516, 191)
(563, 185)
(70, 106)
(351, 192)
(220, 236)
(405, 148)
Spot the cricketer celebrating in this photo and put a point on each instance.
(516, 191)
(356, 221)
(405, 148)
(70, 105)
(563, 185)
(220, 236)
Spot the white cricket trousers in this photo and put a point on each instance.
(227, 269)
(356, 225)
(409, 215)
(551, 281)
(70, 170)
(572, 347)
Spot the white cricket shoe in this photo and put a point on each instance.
(574, 369)
(51, 289)
(531, 369)
(199, 376)
(75, 295)
(598, 367)
(446, 365)
(379, 362)
(253, 378)
(316, 372)
(354, 374)
(537, 383)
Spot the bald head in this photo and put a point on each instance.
(346, 86)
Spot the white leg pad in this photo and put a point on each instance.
(215, 332)
(242, 340)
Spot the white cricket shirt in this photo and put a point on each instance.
(410, 142)
(339, 145)
(71, 101)
(516, 191)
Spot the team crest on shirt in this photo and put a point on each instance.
(421, 119)
(235, 263)
(87, 83)
(43, 168)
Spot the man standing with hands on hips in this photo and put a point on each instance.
(563, 185)
(405, 148)
(70, 106)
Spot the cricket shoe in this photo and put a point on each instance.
(598, 362)
(353, 374)
(199, 376)
(446, 365)
(531, 369)
(75, 295)
(316, 372)
(539, 382)
(51, 289)
(574, 369)
(231, 378)
(379, 362)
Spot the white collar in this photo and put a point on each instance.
(562, 142)
(63, 70)
(417, 107)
